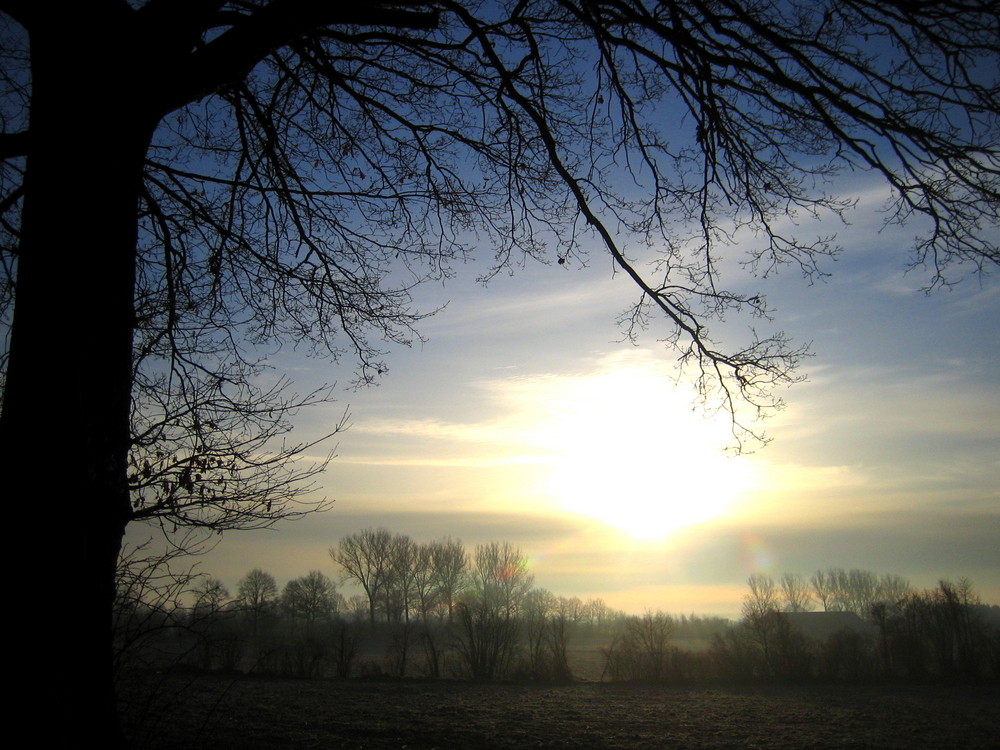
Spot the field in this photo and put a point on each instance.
(199, 711)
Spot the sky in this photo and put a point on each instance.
(525, 418)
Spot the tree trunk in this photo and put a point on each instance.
(64, 430)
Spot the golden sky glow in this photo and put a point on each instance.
(525, 419)
(624, 449)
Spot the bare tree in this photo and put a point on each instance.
(538, 608)
(572, 608)
(763, 596)
(961, 633)
(558, 635)
(425, 588)
(210, 595)
(937, 632)
(356, 607)
(364, 558)
(859, 590)
(280, 170)
(856, 590)
(823, 588)
(151, 586)
(208, 451)
(641, 651)
(311, 599)
(208, 618)
(401, 575)
(439, 577)
(761, 616)
(258, 594)
(598, 612)
(892, 588)
(400, 600)
(795, 592)
(451, 564)
(488, 615)
(500, 574)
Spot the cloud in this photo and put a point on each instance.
(480, 462)
(513, 308)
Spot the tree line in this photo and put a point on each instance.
(867, 627)
(435, 609)
(431, 609)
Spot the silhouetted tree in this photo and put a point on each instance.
(150, 588)
(401, 596)
(823, 588)
(365, 558)
(760, 615)
(642, 650)
(437, 581)
(425, 586)
(309, 604)
(956, 631)
(346, 637)
(558, 636)
(795, 593)
(598, 612)
(401, 576)
(209, 616)
(847, 655)
(936, 633)
(856, 590)
(500, 574)
(572, 608)
(310, 599)
(892, 588)
(258, 594)
(488, 615)
(734, 654)
(356, 607)
(451, 564)
(537, 609)
(281, 170)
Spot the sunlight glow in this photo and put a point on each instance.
(627, 449)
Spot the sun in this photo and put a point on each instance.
(626, 448)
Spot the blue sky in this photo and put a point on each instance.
(524, 418)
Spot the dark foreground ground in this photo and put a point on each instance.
(254, 714)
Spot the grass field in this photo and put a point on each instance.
(199, 711)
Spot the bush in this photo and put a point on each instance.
(848, 656)
(642, 651)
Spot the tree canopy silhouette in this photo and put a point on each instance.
(188, 183)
